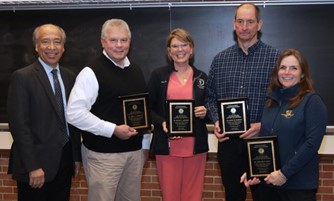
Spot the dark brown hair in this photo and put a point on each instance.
(305, 84)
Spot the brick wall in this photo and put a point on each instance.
(213, 190)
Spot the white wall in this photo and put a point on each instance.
(327, 146)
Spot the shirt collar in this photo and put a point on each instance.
(252, 48)
(284, 93)
(126, 60)
(46, 67)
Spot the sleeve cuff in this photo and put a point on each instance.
(146, 141)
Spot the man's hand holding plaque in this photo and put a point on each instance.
(180, 117)
(233, 116)
(135, 111)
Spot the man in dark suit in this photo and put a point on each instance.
(45, 153)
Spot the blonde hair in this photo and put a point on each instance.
(182, 35)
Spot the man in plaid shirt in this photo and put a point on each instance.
(242, 70)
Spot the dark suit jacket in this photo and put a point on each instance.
(35, 123)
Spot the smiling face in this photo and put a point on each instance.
(49, 44)
(289, 72)
(180, 51)
(116, 43)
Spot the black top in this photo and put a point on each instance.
(114, 82)
(157, 88)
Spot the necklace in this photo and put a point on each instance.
(183, 75)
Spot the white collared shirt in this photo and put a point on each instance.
(126, 60)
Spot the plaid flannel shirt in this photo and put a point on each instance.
(233, 74)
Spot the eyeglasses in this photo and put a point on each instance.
(183, 45)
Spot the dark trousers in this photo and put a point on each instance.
(55, 190)
(273, 194)
(232, 161)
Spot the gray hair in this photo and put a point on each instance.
(114, 23)
(35, 33)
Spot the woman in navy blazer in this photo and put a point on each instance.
(298, 117)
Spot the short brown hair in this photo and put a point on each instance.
(257, 11)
